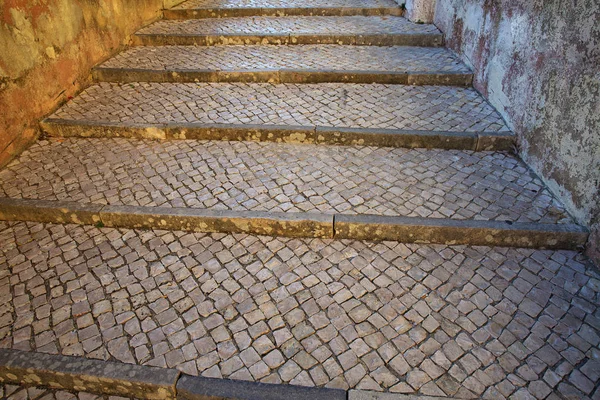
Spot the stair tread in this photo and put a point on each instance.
(305, 25)
(254, 176)
(307, 57)
(424, 108)
(216, 4)
(323, 297)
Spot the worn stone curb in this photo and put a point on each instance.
(197, 13)
(384, 39)
(77, 374)
(128, 75)
(81, 374)
(198, 388)
(498, 141)
(459, 232)
(338, 226)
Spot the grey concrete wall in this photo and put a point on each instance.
(538, 63)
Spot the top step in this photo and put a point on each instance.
(245, 8)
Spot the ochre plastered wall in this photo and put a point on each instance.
(538, 63)
(47, 48)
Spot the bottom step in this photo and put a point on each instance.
(457, 321)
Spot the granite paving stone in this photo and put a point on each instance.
(15, 392)
(269, 57)
(291, 178)
(294, 310)
(191, 4)
(429, 108)
(314, 25)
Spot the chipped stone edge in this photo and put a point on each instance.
(499, 141)
(81, 374)
(338, 226)
(200, 388)
(197, 13)
(383, 39)
(283, 75)
(459, 232)
(371, 395)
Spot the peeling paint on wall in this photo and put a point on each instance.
(47, 48)
(538, 63)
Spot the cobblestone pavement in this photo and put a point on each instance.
(436, 108)
(438, 320)
(13, 392)
(330, 57)
(318, 25)
(283, 177)
(286, 4)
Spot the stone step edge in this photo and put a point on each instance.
(309, 225)
(101, 377)
(198, 13)
(476, 141)
(384, 39)
(277, 76)
(77, 374)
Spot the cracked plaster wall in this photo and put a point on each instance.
(538, 63)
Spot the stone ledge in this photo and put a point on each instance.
(197, 13)
(81, 374)
(459, 232)
(199, 388)
(402, 39)
(128, 75)
(502, 141)
(338, 226)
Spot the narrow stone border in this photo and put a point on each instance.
(197, 13)
(81, 374)
(478, 141)
(459, 232)
(337, 226)
(402, 39)
(128, 75)
(77, 374)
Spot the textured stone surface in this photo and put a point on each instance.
(433, 108)
(550, 93)
(190, 4)
(14, 392)
(282, 177)
(461, 321)
(317, 25)
(268, 57)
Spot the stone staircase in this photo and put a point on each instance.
(320, 209)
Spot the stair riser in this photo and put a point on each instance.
(278, 12)
(362, 227)
(281, 76)
(482, 141)
(424, 40)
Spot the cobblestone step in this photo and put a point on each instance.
(286, 64)
(429, 196)
(333, 113)
(457, 321)
(233, 8)
(353, 30)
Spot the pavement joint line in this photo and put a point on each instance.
(75, 374)
(331, 226)
(310, 134)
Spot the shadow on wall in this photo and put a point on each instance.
(47, 49)
(537, 63)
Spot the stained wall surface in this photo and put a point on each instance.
(538, 63)
(47, 48)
